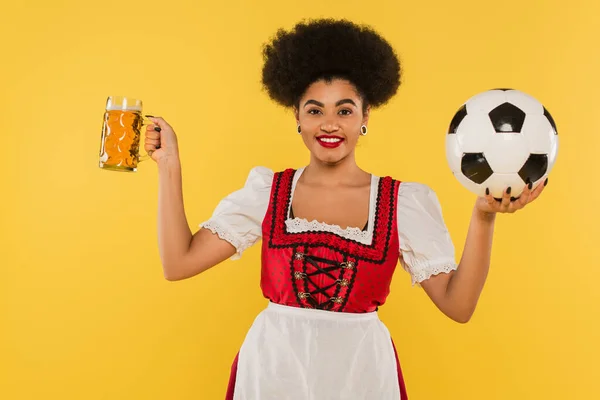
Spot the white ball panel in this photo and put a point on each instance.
(525, 102)
(507, 152)
(552, 154)
(539, 134)
(453, 153)
(475, 133)
(486, 101)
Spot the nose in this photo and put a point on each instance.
(329, 127)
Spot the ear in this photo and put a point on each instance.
(296, 115)
(366, 114)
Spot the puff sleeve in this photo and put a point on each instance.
(238, 217)
(425, 245)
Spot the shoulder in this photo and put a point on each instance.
(410, 193)
(260, 174)
(418, 201)
(259, 178)
(265, 179)
(407, 192)
(263, 173)
(416, 191)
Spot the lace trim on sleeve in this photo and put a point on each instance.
(226, 233)
(425, 270)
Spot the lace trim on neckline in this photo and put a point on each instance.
(300, 225)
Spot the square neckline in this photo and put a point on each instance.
(298, 224)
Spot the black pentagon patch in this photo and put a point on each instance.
(507, 118)
(551, 120)
(534, 168)
(503, 89)
(458, 117)
(475, 167)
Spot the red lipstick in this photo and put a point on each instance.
(330, 141)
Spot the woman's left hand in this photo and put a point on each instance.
(490, 205)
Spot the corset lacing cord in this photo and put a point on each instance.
(339, 282)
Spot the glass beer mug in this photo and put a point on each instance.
(121, 134)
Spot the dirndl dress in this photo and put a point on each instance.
(320, 336)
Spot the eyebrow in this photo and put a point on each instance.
(339, 103)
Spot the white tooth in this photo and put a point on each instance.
(330, 140)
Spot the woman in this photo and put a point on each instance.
(332, 233)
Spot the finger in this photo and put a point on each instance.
(489, 198)
(150, 148)
(159, 121)
(153, 127)
(538, 190)
(152, 134)
(153, 142)
(505, 202)
(525, 196)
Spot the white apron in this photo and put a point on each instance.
(293, 353)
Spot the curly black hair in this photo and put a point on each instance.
(328, 49)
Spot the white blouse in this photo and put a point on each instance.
(425, 244)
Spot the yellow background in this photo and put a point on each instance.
(85, 311)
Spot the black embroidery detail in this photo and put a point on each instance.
(353, 274)
(274, 201)
(292, 272)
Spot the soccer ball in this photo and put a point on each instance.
(501, 138)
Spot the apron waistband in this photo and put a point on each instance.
(312, 313)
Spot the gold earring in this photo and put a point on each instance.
(299, 129)
(363, 130)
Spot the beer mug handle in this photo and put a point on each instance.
(144, 157)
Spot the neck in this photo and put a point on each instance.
(344, 172)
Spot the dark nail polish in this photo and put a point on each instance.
(487, 191)
(150, 116)
(513, 198)
(157, 128)
(529, 185)
(546, 182)
(508, 190)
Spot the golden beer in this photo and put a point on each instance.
(121, 133)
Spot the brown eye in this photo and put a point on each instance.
(348, 112)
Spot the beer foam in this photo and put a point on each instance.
(124, 105)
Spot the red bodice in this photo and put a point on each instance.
(324, 270)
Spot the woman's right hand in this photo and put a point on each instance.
(160, 140)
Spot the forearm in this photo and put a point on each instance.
(174, 234)
(465, 285)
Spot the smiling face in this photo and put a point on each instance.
(330, 116)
